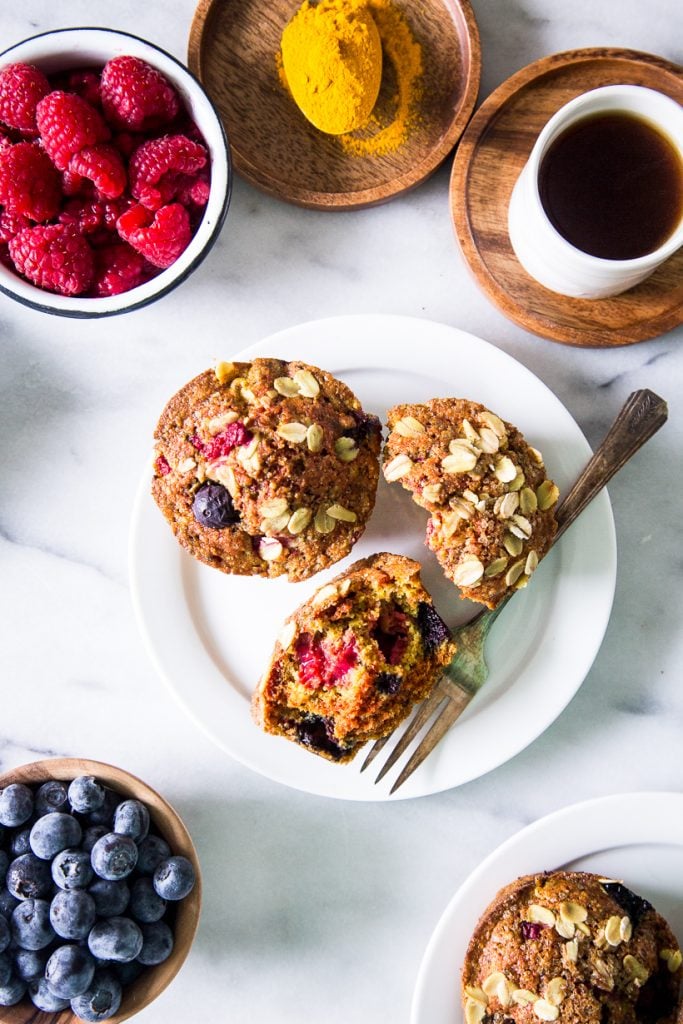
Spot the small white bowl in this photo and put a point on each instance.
(67, 48)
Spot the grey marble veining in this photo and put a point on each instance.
(313, 907)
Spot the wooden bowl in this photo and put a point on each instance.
(166, 821)
(232, 50)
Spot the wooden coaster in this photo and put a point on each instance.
(232, 50)
(491, 154)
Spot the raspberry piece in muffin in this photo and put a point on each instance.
(352, 661)
(571, 947)
(491, 504)
(292, 452)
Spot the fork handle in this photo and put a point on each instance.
(642, 415)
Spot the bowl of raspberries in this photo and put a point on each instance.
(99, 893)
(115, 172)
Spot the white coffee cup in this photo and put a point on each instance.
(540, 248)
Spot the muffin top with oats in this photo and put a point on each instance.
(491, 504)
(572, 947)
(266, 468)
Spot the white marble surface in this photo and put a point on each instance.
(313, 908)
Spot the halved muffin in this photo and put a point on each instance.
(352, 661)
(491, 504)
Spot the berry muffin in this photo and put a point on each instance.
(266, 468)
(491, 504)
(352, 661)
(572, 947)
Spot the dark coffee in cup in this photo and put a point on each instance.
(612, 185)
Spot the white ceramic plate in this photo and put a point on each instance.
(210, 635)
(637, 837)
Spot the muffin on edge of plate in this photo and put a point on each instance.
(491, 505)
(573, 947)
(352, 660)
(266, 468)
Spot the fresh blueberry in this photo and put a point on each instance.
(101, 1000)
(69, 971)
(131, 818)
(86, 794)
(6, 935)
(29, 964)
(157, 943)
(145, 903)
(21, 842)
(16, 805)
(213, 507)
(31, 928)
(13, 992)
(71, 869)
(7, 903)
(53, 833)
(42, 997)
(433, 629)
(104, 815)
(111, 898)
(51, 796)
(174, 878)
(5, 969)
(128, 973)
(118, 939)
(4, 864)
(151, 851)
(113, 856)
(28, 877)
(72, 914)
(92, 834)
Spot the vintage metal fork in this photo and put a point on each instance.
(642, 415)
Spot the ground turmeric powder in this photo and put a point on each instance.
(332, 61)
(338, 56)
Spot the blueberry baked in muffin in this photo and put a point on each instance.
(571, 947)
(266, 468)
(491, 504)
(352, 661)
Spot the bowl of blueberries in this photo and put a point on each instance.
(100, 894)
(115, 172)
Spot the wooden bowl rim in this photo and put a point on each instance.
(377, 194)
(537, 323)
(65, 769)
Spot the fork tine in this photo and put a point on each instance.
(458, 699)
(425, 711)
(374, 751)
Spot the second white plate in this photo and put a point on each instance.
(210, 635)
(637, 837)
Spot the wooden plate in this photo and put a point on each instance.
(167, 823)
(232, 50)
(491, 155)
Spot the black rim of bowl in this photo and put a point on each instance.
(81, 314)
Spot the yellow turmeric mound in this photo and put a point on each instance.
(332, 60)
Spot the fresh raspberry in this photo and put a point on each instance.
(21, 88)
(103, 166)
(11, 224)
(84, 215)
(162, 239)
(85, 83)
(54, 257)
(193, 190)
(152, 167)
(29, 184)
(5, 140)
(73, 184)
(136, 95)
(67, 124)
(118, 268)
(234, 435)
